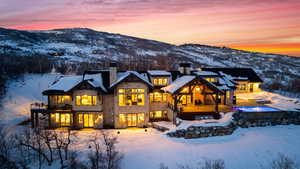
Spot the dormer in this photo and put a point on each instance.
(208, 75)
(160, 78)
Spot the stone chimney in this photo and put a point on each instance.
(112, 73)
(185, 68)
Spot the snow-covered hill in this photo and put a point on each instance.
(88, 46)
(245, 148)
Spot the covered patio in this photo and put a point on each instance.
(193, 95)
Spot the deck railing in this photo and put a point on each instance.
(38, 106)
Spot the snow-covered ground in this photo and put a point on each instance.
(277, 101)
(246, 148)
(20, 94)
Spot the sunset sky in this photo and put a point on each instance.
(257, 25)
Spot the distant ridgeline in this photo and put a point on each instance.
(78, 49)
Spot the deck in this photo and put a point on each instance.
(205, 108)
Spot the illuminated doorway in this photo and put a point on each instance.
(88, 120)
(131, 120)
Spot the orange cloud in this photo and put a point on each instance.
(213, 22)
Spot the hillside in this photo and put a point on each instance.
(73, 50)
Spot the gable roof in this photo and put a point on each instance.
(66, 83)
(238, 73)
(178, 83)
(158, 73)
(184, 80)
(205, 73)
(123, 75)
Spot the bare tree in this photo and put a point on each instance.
(214, 164)
(282, 162)
(48, 138)
(112, 156)
(6, 148)
(104, 154)
(63, 139)
(32, 139)
(74, 163)
(95, 157)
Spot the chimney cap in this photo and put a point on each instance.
(185, 64)
(113, 64)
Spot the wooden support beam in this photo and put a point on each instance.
(36, 118)
(217, 102)
(32, 118)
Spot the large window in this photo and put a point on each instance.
(131, 119)
(227, 95)
(131, 97)
(242, 86)
(160, 81)
(86, 100)
(60, 99)
(90, 119)
(62, 119)
(158, 115)
(185, 99)
(184, 90)
(158, 97)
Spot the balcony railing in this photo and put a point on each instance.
(38, 106)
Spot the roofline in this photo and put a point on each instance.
(202, 80)
(130, 73)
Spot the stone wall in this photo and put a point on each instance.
(200, 131)
(243, 120)
(261, 119)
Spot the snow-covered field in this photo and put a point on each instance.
(245, 149)
(20, 94)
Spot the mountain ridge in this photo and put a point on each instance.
(184, 44)
(84, 48)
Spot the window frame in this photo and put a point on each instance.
(160, 81)
(131, 97)
(93, 99)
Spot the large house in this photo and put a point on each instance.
(113, 99)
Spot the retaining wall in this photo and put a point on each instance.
(243, 120)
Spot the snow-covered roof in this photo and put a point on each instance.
(206, 73)
(159, 73)
(178, 83)
(95, 80)
(66, 83)
(123, 75)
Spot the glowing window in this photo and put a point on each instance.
(63, 119)
(122, 119)
(80, 118)
(242, 87)
(160, 81)
(86, 100)
(141, 118)
(185, 99)
(158, 97)
(60, 99)
(88, 120)
(158, 114)
(211, 79)
(131, 97)
(185, 90)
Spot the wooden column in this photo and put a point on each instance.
(36, 118)
(217, 102)
(32, 118)
(175, 109)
